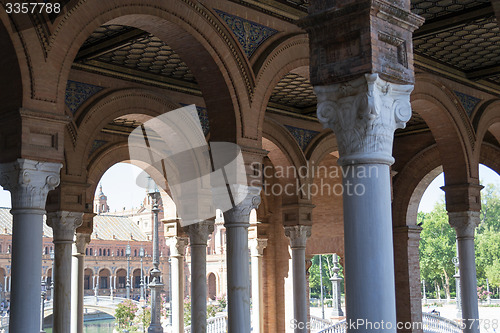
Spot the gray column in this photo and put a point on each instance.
(64, 225)
(464, 224)
(236, 221)
(77, 280)
(28, 182)
(298, 237)
(198, 237)
(177, 249)
(364, 113)
(257, 246)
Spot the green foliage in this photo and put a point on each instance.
(125, 313)
(187, 312)
(314, 276)
(493, 273)
(144, 318)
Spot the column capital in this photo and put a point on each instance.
(199, 232)
(464, 223)
(81, 242)
(29, 182)
(257, 246)
(177, 246)
(364, 113)
(248, 198)
(298, 235)
(64, 224)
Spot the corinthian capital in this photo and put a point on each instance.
(29, 182)
(364, 113)
(298, 235)
(199, 232)
(177, 246)
(464, 223)
(64, 225)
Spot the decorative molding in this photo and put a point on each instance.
(301, 135)
(364, 113)
(203, 116)
(249, 34)
(29, 182)
(81, 242)
(240, 214)
(468, 102)
(96, 144)
(64, 224)
(464, 223)
(78, 92)
(298, 235)
(199, 232)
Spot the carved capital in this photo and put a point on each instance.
(64, 225)
(29, 182)
(248, 198)
(464, 223)
(199, 232)
(81, 242)
(177, 246)
(298, 235)
(257, 246)
(364, 113)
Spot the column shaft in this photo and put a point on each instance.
(77, 281)
(256, 249)
(29, 183)
(177, 248)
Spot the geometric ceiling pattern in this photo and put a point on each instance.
(294, 91)
(432, 9)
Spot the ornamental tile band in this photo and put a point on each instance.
(249, 34)
(468, 102)
(78, 92)
(302, 136)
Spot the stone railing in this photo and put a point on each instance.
(339, 327)
(436, 324)
(317, 324)
(217, 324)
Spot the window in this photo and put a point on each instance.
(90, 251)
(108, 252)
(100, 252)
(103, 282)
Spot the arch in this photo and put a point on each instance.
(490, 156)
(450, 127)
(180, 24)
(121, 278)
(290, 53)
(212, 286)
(104, 278)
(410, 184)
(3, 274)
(322, 144)
(136, 278)
(487, 115)
(88, 275)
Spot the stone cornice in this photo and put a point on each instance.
(364, 113)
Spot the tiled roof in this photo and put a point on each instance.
(105, 226)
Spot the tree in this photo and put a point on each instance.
(437, 247)
(314, 276)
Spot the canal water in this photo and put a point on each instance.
(95, 326)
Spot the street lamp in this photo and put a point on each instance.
(155, 285)
(52, 257)
(141, 254)
(42, 313)
(127, 253)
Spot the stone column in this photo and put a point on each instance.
(198, 237)
(177, 249)
(64, 225)
(298, 236)
(364, 113)
(464, 224)
(236, 221)
(28, 182)
(257, 246)
(77, 280)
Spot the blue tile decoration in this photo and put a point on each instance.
(468, 102)
(78, 92)
(203, 115)
(96, 145)
(302, 136)
(249, 34)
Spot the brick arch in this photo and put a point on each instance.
(410, 184)
(188, 27)
(450, 127)
(291, 53)
(284, 152)
(322, 144)
(490, 156)
(11, 93)
(115, 104)
(111, 155)
(487, 116)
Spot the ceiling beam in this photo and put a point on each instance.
(483, 73)
(454, 20)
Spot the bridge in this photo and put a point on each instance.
(106, 304)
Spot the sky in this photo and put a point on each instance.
(118, 184)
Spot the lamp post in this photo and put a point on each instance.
(155, 285)
(127, 253)
(457, 283)
(321, 286)
(141, 254)
(42, 313)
